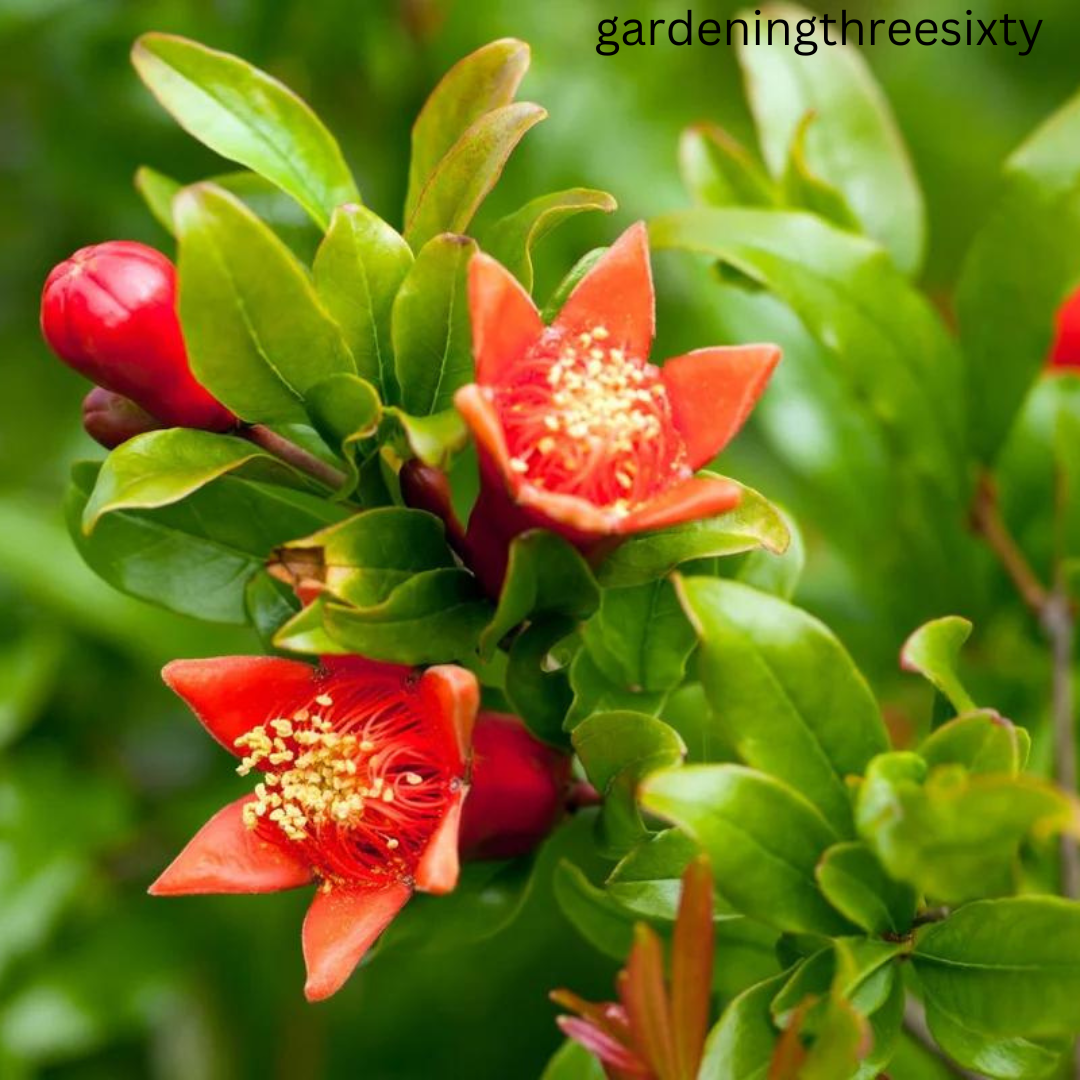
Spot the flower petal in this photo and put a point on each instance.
(225, 856)
(505, 321)
(340, 926)
(691, 966)
(601, 1045)
(698, 497)
(438, 868)
(482, 419)
(712, 392)
(232, 694)
(451, 697)
(617, 294)
(645, 998)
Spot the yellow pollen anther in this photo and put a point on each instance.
(324, 700)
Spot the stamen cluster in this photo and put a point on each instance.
(586, 419)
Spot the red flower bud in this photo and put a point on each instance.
(111, 419)
(1065, 352)
(518, 793)
(110, 313)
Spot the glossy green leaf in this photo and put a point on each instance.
(544, 576)
(345, 411)
(358, 270)
(471, 168)
(618, 750)
(434, 439)
(511, 239)
(763, 841)
(594, 691)
(485, 80)
(1007, 968)
(951, 834)
(855, 883)
(433, 617)
(1000, 1059)
(305, 632)
(774, 572)
(538, 689)
(804, 189)
(194, 556)
(269, 604)
(430, 326)
(256, 333)
(363, 559)
(600, 919)
(1020, 268)
(718, 171)
(854, 143)
(933, 651)
(569, 283)
(741, 1044)
(648, 879)
(785, 692)
(754, 523)
(245, 115)
(163, 467)
(640, 638)
(983, 742)
(158, 192)
(884, 338)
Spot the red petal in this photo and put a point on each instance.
(601, 1045)
(225, 856)
(712, 392)
(617, 293)
(437, 870)
(644, 996)
(233, 694)
(505, 321)
(698, 497)
(341, 925)
(451, 697)
(691, 966)
(482, 419)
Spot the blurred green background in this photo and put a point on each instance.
(102, 774)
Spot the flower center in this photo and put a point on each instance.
(581, 418)
(362, 789)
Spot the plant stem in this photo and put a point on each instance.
(987, 520)
(916, 1026)
(293, 455)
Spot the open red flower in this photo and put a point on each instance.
(577, 432)
(362, 770)
(655, 1031)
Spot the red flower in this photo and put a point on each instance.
(362, 780)
(518, 792)
(655, 1032)
(577, 432)
(1065, 352)
(110, 313)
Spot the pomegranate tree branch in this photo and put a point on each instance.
(296, 456)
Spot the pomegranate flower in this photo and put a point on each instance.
(655, 1032)
(577, 432)
(361, 772)
(1065, 350)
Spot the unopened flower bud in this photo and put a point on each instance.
(111, 419)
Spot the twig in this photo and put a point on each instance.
(987, 520)
(916, 1026)
(294, 455)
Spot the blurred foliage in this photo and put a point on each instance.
(103, 775)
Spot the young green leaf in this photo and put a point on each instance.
(774, 572)
(784, 690)
(741, 1044)
(345, 410)
(158, 192)
(256, 333)
(762, 838)
(1007, 968)
(573, 1062)
(430, 327)
(983, 742)
(434, 439)
(511, 239)
(855, 883)
(933, 651)
(468, 172)
(854, 145)
(358, 270)
(544, 576)
(537, 689)
(753, 524)
(245, 115)
(718, 171)
(194, 556)
(804, 189)
(485, 80)
(163, 467)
